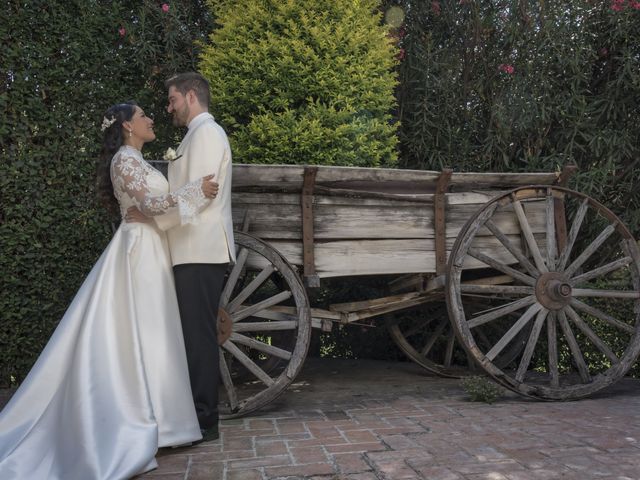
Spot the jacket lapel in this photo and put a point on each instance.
(199, 120)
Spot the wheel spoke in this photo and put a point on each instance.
(448, 356)
(528, 236)
(601, 271)
(531, 345)
(416, 328)
(513, 331)
(526, 279)
(264, 326)
(263, 305)
(573, 234)
(249, 289)
(589, 310)
(480, 220)
(552, 342)
(276, 314)
(434, 337)
(501, 311)
(248, 363)
(233, 277)
(515, 251)
(490, 289)
(574, 347)
(590, 250)
(258, 345)
(592, 292)
(551, 231)
(591, 335)
(228, 383)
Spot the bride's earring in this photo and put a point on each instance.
(130, 133)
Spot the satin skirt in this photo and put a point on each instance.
(112, 385)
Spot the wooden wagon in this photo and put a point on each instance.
(512, 255)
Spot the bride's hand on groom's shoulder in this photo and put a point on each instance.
(209, 187)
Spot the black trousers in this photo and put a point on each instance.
(198, 287)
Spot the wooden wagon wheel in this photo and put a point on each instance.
(425, 335)
(578, 292)
(271, 327)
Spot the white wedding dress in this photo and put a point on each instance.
(111, 385)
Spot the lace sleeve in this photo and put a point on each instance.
(129, 175)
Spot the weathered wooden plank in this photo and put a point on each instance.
(373, 257)
(270, 220)
(380, 179)
(279, 198)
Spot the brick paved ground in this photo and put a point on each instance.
(365, 420)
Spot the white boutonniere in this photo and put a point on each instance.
(170, 155)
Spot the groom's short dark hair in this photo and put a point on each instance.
(191, 81)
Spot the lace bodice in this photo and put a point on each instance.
(136, 183)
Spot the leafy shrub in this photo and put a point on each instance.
(303, 81)
(481, 389)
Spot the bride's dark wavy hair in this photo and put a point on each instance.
(112, 140)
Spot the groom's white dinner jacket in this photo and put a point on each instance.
(204, 150)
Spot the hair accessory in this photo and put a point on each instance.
(106, 123)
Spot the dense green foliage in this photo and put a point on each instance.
(301, 81)
(510, 85)
(526, 85)
(62, 64)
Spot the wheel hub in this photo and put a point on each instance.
(553, 290)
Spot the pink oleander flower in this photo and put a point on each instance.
(435, 8)
(635, 5)
(122, 31)
(617, 5)
(401, 54)
(165, 7)
(603, 52)
(506, 68)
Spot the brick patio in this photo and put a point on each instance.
(367, 420)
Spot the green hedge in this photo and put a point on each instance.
(573, 96)
(61, 65)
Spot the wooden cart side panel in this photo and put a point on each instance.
(375, 221)
(278, 216)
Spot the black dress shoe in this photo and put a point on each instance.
(208, 435)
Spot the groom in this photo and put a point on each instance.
(200, 253)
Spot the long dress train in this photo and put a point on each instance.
(111, 385)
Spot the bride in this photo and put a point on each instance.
(112, 386)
